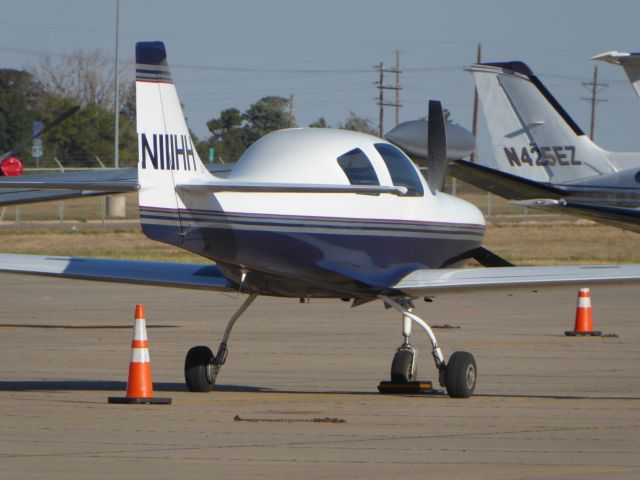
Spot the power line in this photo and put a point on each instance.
(382, 87)
(595, 88)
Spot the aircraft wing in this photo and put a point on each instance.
(59, 186)
(418, 283)
(504, 184)
(427, 282)
(167, 274)
(621, 217)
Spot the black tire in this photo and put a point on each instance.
(195, 369)
(402, 370)
(461, 375)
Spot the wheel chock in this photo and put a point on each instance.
(391, 388)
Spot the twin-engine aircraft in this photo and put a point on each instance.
(543, 158)
(305, 213)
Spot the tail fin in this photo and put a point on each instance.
(629, 61)
(532, 135)
(166, 153)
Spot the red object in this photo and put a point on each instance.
(11, 167)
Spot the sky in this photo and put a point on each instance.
(231, 54)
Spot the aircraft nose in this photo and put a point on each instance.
(462, 210)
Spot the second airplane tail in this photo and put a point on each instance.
(532, 135)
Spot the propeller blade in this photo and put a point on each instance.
(436, 147)
(59, 119)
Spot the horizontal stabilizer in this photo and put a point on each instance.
(183, 275)
(77, 185)
(506, 185)
(61, 186)
(621, 217)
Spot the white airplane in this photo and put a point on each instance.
(630, 61)
(305, 213)
(543, 158)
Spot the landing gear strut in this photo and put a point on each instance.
(458, 376)
(201, 366)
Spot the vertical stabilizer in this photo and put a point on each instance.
(166, 152)
(629, 61)
(531, 134)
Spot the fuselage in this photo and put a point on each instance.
(316, 244)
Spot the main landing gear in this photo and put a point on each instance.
(458, 376)
(201, 367)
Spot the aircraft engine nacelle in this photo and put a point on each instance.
(412, 137)
(11, 167)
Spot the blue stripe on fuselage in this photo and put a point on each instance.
(369, 255)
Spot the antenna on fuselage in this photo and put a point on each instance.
(436, 148)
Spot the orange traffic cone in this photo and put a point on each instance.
(139, 386)
(584, 322)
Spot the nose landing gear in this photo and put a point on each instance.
(458, 376)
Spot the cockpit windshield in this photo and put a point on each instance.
(358, 168)
(402, 171)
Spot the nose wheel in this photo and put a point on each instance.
(403, 367)
(458, 376)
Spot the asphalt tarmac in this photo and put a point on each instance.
(297, 397)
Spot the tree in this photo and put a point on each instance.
(358, 124)
(80, 138)
(85, 79)
(19, 95)
(227, 135)
(320, 123)
(266, 115)
(233, 132)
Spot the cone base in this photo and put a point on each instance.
(583, 334)
(140, 400)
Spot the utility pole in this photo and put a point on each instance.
(116, 156)
(382, 87)
(381, 99)
(474, 122)
(397, 87)
(116, 204)
(595, 88)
